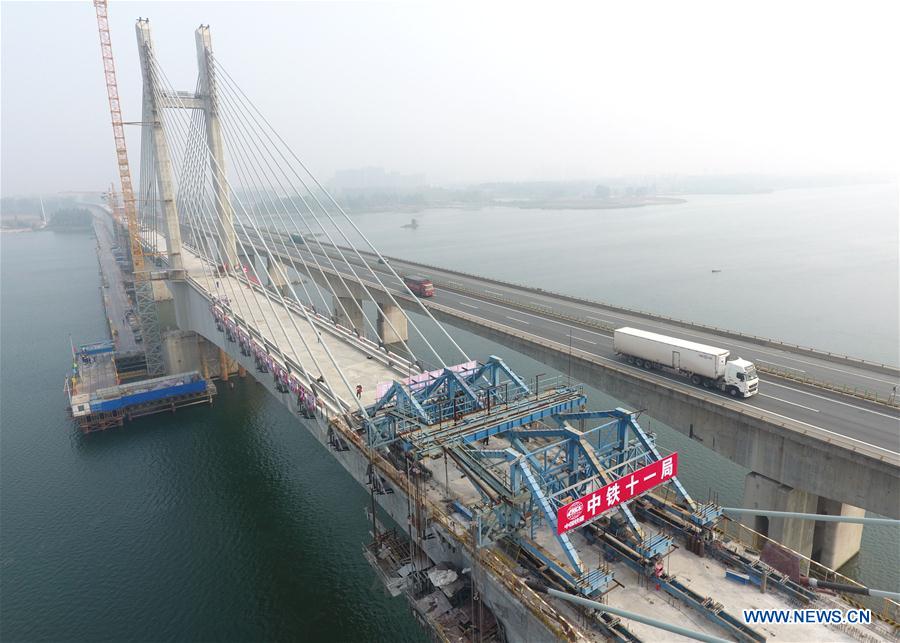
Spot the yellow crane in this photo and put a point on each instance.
(143, 286)
(115, 112)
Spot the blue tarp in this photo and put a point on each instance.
(143, 397)
(96, 348)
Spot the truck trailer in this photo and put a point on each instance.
(705, 366)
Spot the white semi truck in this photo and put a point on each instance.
(705, 366)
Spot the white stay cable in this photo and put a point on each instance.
(315, 329)
(299, 251)
(196, 217)
(285, 162)
(230, 80)
(211, 218)
(240, 159)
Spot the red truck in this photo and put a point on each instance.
(420, 286)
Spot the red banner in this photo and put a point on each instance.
(578, 512)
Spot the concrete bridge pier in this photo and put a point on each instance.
(394, 315)
(834, 543)
(353, 306)
(831, 543)
(761, 492)
(187, 351)
(246, 257)
(277, 273)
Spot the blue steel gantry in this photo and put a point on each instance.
(541, 458)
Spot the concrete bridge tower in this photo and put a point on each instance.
(152, 118)
(208, 97)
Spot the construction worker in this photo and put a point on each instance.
(658, 570)
(358, 391)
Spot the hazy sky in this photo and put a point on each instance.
(469, 92)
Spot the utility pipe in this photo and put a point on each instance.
(887, 522)
(815, 583)
(640, 618)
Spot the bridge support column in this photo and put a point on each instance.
(246, 256)
(277, 272)
(834, 543)
(353, 307)
(399, 332)
(763, 493)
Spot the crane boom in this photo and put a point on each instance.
(144, 298)
(115, 112)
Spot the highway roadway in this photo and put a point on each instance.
(874, 425)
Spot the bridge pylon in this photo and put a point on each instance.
(208, 97)
(152, 118)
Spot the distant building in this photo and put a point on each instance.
(375, 178)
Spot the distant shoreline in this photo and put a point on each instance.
(562, 204)
(596, 204)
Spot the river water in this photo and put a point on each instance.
(812, 267)
(231, 522)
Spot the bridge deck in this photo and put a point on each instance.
(867, 424)
(290, 331)
(115, 299)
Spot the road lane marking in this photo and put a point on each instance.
(605, 321)
(846, 437)
(808, 408)
(586, 341)
(830, 368)
(469, 305)
(546, 319)
(828, 399)
(521, 321)
(655, 325)
(790, 368)
(755, 408)
(785, 354)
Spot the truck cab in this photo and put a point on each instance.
(419, 285)
(741, 378)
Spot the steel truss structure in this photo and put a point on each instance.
(543, 458)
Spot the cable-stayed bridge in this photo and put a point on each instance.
(485, 481)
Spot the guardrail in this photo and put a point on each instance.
(891, 401)
(887, 369)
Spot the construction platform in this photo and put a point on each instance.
(98, 401)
